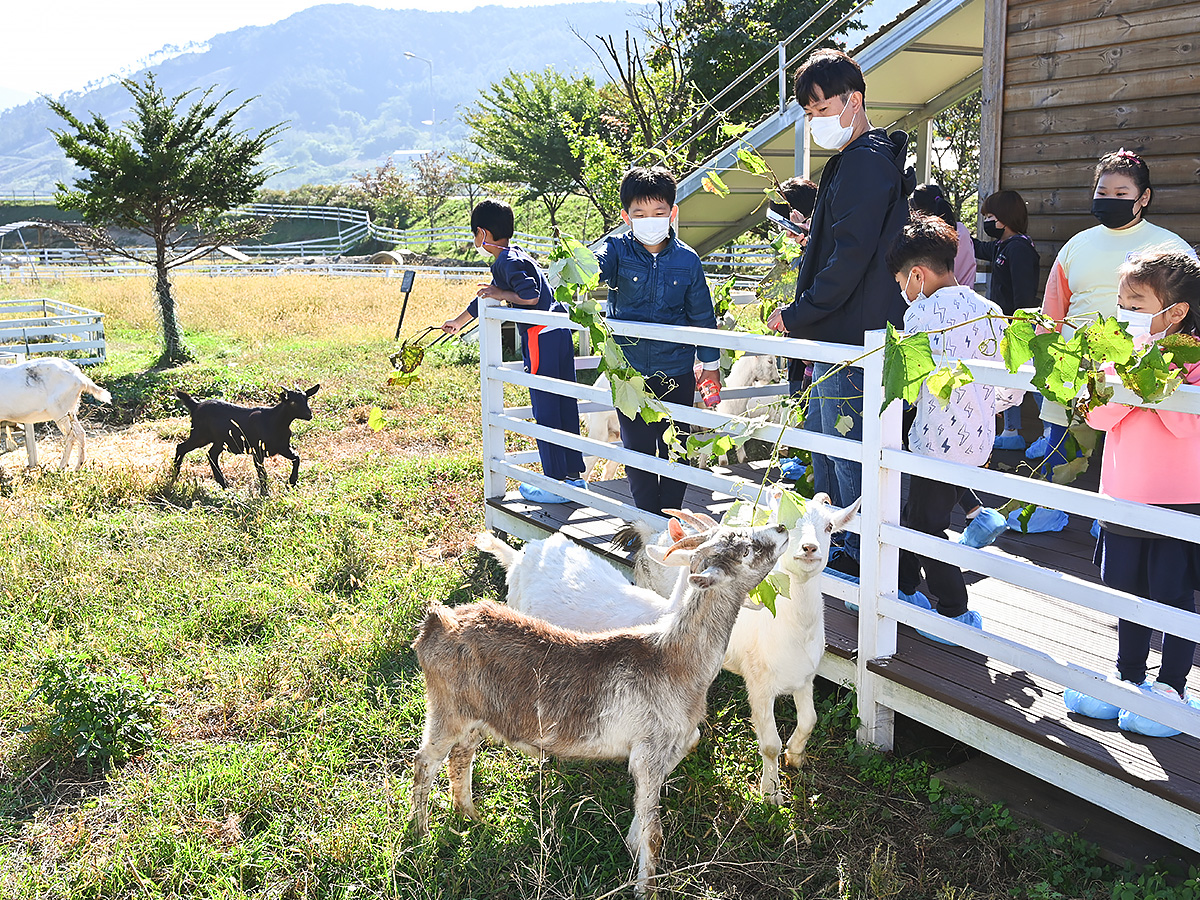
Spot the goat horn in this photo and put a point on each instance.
(696, 520)
(687, 543)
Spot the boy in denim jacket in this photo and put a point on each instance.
(655, 277)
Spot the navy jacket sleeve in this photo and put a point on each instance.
(698, 307)
(985, 249)
(607, 257)
(866, 187)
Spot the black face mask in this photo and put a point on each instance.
(1113, 212)
(993, 229)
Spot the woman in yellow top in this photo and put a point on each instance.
(1083, 281)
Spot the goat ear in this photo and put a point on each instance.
(312, 390)
(283, 396)
(675, 530)
(708, 578)
(842, 519)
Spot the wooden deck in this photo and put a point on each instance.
(1009, 703)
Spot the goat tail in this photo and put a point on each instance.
(633, 538)
(90, 387)
(489, 543)
(187, 400)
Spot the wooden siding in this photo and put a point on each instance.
(1085, 77)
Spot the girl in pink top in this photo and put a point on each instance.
(1158, 293)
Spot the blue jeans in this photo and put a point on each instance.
(830, 399)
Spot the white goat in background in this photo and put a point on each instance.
(602, 425)
(48, 389)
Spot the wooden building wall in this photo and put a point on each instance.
(1084, 77)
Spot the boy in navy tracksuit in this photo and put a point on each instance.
(655, 277)
(546, 350)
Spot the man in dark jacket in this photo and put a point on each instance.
(844, 288)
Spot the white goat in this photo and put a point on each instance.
(602, 425)
(636, 693)
(48, 389)
(748, 370)
(559, 581)
(776, 654)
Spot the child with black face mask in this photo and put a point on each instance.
(1083, 281)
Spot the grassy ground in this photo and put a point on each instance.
(265, 641)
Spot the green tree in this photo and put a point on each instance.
(522, 125)
(168, 173)
(434, 182)
(390, 197)
(955, 161)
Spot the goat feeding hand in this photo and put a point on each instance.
(636, 693)
(261, 431)
(48, 389)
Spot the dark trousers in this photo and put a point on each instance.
(651, 492)
(1160, 569)
(928, 510)
(552, 353)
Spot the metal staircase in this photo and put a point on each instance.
(924, 61)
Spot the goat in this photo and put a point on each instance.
(261, 431)
(602, 425)
(559, 581)
(635, 693)
(774, 654)
(748, 370)
(49, 389)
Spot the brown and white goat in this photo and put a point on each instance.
(635, 693)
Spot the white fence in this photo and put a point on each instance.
(45, 326)
(882, 538)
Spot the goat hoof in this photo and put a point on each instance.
(795, 760)
(775, 798)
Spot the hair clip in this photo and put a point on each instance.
(1128, 154)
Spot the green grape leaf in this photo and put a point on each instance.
(375, 419)
(1152, 378)
(1065, 473)
(907, 359)
(715, 446)
(843, 425)
(573, 264)
(734, 129)
(1183, 348)
(1105, 341)
(765, 594)
(1056, 366)
(1014, 345)
(628, 393)
(753, 163)
(942, 382)
(791, 508)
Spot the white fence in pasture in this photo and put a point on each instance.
(44, 326)
(882, 538)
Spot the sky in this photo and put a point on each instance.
(86, 41)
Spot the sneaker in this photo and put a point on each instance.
(1009, 442)
(1131, 721)
(1042, 520)
(987, 525)
(970, 618)
(1038, 449)
(1092, 707)
(538, 495)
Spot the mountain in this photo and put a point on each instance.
(338, 76)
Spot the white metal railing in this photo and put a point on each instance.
(882, 536)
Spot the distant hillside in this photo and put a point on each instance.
(338, 75)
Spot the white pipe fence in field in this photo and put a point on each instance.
(882, 538)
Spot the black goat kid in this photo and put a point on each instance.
(261, 431)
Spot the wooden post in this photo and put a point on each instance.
(995, 32)
(491, 394)
(878, 562)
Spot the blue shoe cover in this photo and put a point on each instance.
(1092, 707)
(1131, 721)
(1042, 520)
(916, 598)
(1038, 449)
(970, 618)
(538, 495)
(577, 482)
(1095, 528)
(983, 529)
(1009, 442)
(791, 469)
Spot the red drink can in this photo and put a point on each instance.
(710, 391)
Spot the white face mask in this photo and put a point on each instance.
(651, 230)
(1138, 324)
(829, 132)
(904, 291)
(482, 250)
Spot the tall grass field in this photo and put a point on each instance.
(208, 693)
